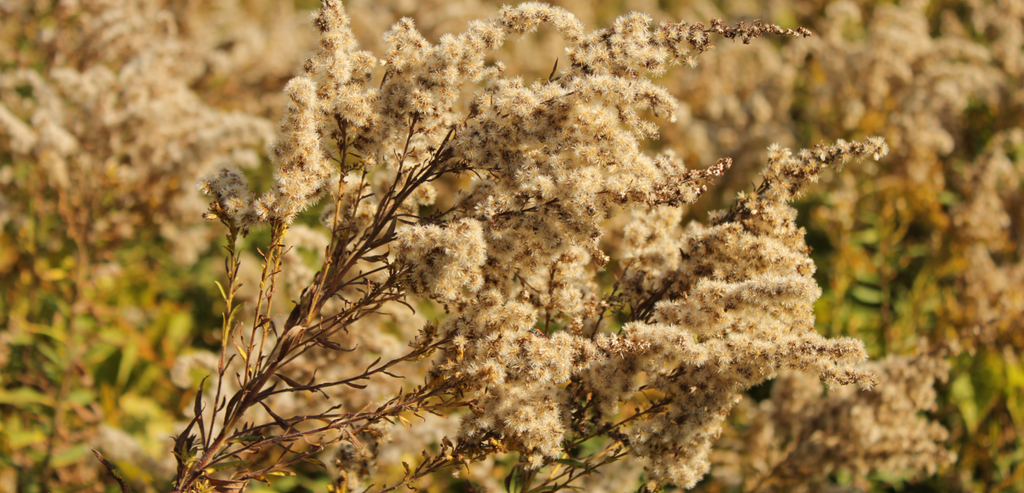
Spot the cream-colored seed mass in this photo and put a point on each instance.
(506, 265)
(716, 308)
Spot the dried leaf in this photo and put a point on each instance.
(115, 472)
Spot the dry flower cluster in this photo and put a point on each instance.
(799, 437)
(516, 252)
(505, 287)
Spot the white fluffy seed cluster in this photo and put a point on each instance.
(229, 189)
(718, 309)
(138, 132)
(120, 111)
(993, 292)
(559, 155)
(518, 254)
(448, 260)
(301, 165)
(422, 85)
(801, 438)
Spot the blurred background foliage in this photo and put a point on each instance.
(101, 296)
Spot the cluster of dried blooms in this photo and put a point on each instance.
(504, 199)
(514, 257)
(799, 437)
(930, 244)
(114, 111)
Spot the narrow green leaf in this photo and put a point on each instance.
(221, 288)
(1014, 387)
(129, 357)
(22, 396)
(314, 460)
(81, 396)
(228, 465)
(70, 456)
(573, 463)
(867, 295)
(234, 312)
(962, 394)
(246, 438)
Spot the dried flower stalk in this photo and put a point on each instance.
(525, 350)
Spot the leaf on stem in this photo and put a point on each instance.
(197, 410)
(114, 471)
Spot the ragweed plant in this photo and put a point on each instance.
(494, 211)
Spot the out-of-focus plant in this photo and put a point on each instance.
(103, 130)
